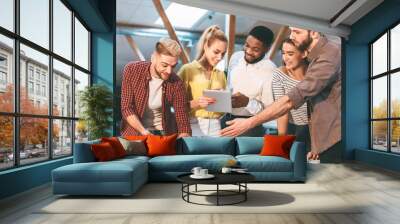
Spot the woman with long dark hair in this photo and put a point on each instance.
(284, 79)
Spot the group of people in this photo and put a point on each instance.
(303, 95)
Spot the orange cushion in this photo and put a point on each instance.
(275, 145)
(161, 145)
(103, 151)
(116, 145)
(136, 137)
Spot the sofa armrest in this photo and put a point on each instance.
(298, 157)
(83, 152)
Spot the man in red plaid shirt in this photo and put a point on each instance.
(153, 98)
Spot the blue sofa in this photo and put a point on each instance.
(125, 176)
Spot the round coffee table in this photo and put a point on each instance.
(238, 179)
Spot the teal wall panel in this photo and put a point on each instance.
(356, 132)
(103, 59)
(24, 178)
(379, 159)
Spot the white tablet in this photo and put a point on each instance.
(223, 100)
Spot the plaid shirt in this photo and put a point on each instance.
(135, 96)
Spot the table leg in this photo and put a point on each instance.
(182, 190)
(217, 194)
(188, 190)
(245, 191)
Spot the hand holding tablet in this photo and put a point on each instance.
(204, 101)
(223, 102)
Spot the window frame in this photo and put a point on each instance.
(16, 114)
(3, 77)
(3, 70)
(388, 74)
(5, 58)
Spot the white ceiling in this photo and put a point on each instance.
(136, 11)
(319, 9)
(311, 14)
(142, 12)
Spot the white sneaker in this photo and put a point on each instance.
(314, 161)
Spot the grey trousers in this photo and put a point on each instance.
(302, 133)
(332, 155)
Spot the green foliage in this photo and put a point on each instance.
(96, 102)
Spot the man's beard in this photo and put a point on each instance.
(255, 60)
(157, 73)
(303, 46)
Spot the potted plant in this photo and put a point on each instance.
(96, 102)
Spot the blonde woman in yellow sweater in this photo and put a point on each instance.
(202, 74)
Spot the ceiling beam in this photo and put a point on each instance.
(280, 37)
(135, 25)
(230, 29)
(362, 11)
(135, 47)
(171, 31)
(346, 12)
(269, 15)
(184, 34)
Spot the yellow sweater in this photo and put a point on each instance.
(193, 75)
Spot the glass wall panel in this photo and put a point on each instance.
(81, 82)
(6, 74)
(7, 14)
(379, 56)
(395, 95)
(62, 138)
(379, 98)
(35, 21)
(81, 45)
(6, 142)
(62, 29)
(62, 89)
(395, 136)
(379, 135)
(34, 144)
(34, 84)
(81, 131)
(395, 47)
